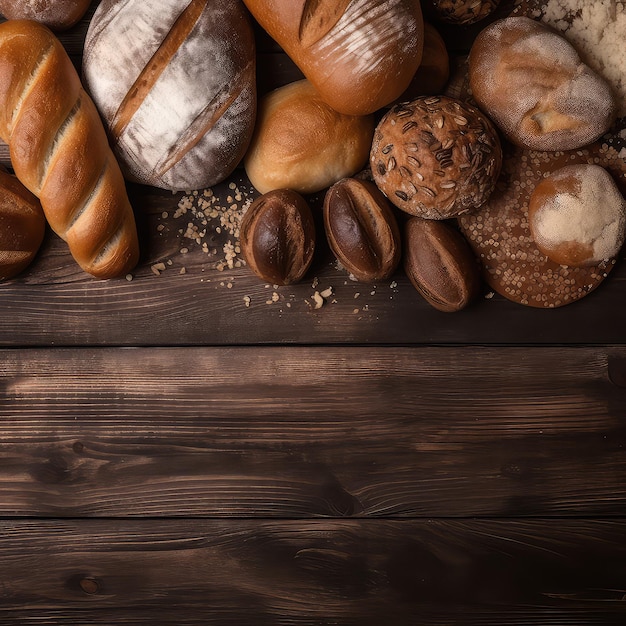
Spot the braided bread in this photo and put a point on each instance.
(60, 152)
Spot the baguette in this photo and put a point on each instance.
(60, 152)
(360, 55)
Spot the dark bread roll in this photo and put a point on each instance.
(55, 14)
(175, 83)
(577, 215)
(462, 11)
(359, 54)
(534, 86)
(22, 225)
(436, 157)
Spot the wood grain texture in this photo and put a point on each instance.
(301, 432)
(313, 572)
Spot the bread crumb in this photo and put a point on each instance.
(318, 300)
(129, 277)
(247, 300)
(157, 268)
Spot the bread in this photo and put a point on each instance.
(461, 11)
(435, 157)
(577, 216)
(534, 86)
(59, 150)
(359, 54)
(22, 226)
(434, 71)
(301, 143)
(175, 83)
(56, 14)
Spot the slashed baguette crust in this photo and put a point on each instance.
(60, 152)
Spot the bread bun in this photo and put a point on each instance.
(360, 55)
(534, 86)
(462, 11)
(301, 143)
(22, 226)
(435, 157)
(55, 14)
(577, 216)
(175, 83)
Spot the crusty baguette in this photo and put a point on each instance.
(60, 152)
(360, 55)
(56, 14)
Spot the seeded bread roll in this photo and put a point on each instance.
(55, 14)
(534, 86)
(359, 54)
(435, 157)
(577, 216)
(175, 83)
(303, 144)
(22, 225)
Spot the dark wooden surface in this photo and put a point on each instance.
(191, 446)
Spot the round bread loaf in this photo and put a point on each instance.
(534, 86)
(577, 216)
(301, 143)
(435, 157)
(175, 83)
(359, 54)
(55, 14)
(22, 226)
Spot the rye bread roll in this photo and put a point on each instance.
(359, 54)
(532, 83)
(175, 83)
(55, 14)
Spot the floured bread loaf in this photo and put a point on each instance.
(360, 55)
(175, 83)
(534, 86)
(577, 216)
(55, 14)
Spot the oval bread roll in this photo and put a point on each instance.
(534, 86)
(359, 54)
(175, 81)
(303, 144)
(22, 226)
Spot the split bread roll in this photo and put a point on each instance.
(534, 86)
(59, 150)
(303, 144)
(55, 14)
(359, 54)
(175, 82)
(22, 226)
(577, 216)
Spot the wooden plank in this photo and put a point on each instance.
(300, 432)
(313, 572)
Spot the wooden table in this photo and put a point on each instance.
(191, 446)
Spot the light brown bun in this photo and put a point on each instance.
(22, 226)
(577, 216)
(462, 11)
(360, 55)
(176, 85)
(534, 86)
(55, 14)
(301, 143)
(435, 157)
(59, 150)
